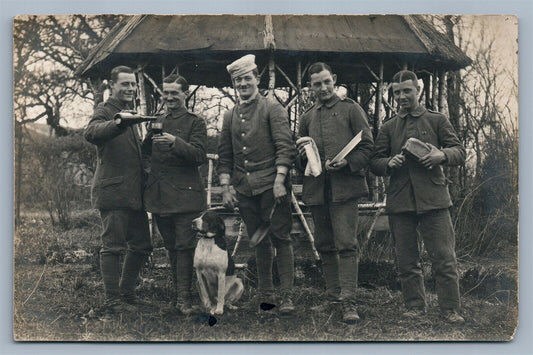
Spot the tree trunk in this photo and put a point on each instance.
(453, 98)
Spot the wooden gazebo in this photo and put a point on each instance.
(361, 50)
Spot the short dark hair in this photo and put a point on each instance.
(120, 69)
(178, 79)
(404, 75)
(318, 67)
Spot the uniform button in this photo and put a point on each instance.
(190, 188)
(243, 119)
(242, 134)
(248, 174)
(246, 162)
(243, 148)
(240, 115)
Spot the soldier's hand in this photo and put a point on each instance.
(279, 189)
(396, 162)
(433, 158)
(164, 139)
(336, 166)
(229, 200)
(301, 143)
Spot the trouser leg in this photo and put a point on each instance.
(436, 229)
(404, 230)
(325, 245)
(139, 247)
(344, 224)
(250, 210)
(280, 227)
(166, 228)
(264, 256)
(114, 229)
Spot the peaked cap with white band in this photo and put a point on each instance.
(242, 65)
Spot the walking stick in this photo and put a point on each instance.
(305, 225)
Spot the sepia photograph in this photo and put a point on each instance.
(265, 178)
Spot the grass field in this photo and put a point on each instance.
(58, 292)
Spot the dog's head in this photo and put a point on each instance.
(210, 224)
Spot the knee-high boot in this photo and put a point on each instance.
(184, 270)
(264, 257)
(348, 272)
(330, 268)
(110, 269)
(133, 262)
(285, 264)
(172, 258)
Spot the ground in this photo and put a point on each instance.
(58, 293)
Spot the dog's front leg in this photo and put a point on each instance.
(221, 292)
(204, 296)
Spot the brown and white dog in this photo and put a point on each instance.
(214, 266)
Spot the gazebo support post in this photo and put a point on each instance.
(442, 75)
(271, 77)
(434, 90)
(377, 113)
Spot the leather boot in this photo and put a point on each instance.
(285, 265)
(172, 257)
(133, 262)
(330, 270)
(110, 269)
(184, 269)
(264, 257)
(348, 273)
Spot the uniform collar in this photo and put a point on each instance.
(330, 103)
(176, 113)
(121, 105)
(417, 112)
(250, 100)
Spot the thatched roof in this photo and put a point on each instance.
(202, 45)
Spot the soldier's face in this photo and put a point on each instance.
(406, 94)
(124, 87)
(246, 84)
(323, 85)
(173, 95)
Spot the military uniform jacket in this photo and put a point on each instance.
(413, 187)
(174, 183)
(255, 138)
(332, 125)
(118, 179)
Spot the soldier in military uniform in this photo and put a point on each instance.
(256, 151)
(117, 193)
(418, 200)
(174, 192)
(332, 196)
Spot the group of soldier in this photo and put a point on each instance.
(256, 153)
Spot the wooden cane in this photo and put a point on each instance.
(305, 225)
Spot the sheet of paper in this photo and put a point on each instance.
(348, 148)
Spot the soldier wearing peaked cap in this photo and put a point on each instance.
(255, 153)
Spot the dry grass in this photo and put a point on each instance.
(58, 292)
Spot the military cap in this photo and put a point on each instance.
(242, 65)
